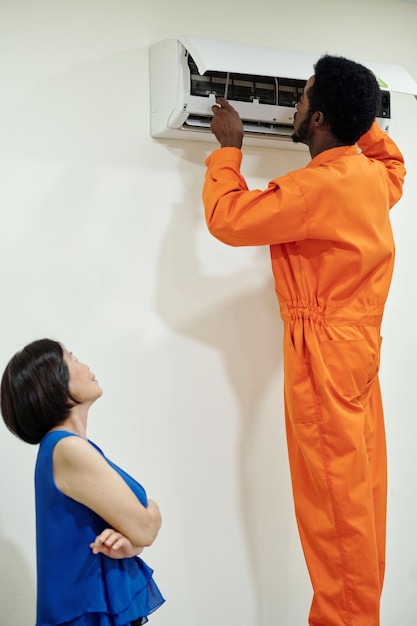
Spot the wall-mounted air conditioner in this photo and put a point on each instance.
(263, 84)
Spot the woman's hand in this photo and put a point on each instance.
(113, 544)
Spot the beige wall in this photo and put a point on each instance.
(104, 247)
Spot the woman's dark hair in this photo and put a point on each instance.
(34, 390)
(347, 93)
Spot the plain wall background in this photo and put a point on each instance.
(103, 246)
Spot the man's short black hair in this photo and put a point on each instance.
(347, 93)
(35, 395)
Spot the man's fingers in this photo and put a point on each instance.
(222, 103)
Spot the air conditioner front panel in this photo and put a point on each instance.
(210, 54)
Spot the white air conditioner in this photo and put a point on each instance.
(262, 84)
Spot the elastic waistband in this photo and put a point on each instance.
(331, 315)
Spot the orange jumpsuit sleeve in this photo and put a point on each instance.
(240, 217)
(375, 144)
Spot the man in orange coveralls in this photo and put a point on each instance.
(332, 254)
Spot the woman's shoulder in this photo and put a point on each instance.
(70, 450)
(56, 434)
(68, 440)
(73, 448)
(51, 439)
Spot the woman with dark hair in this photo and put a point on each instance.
(92, 518)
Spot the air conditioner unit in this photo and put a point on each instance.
(262, 84)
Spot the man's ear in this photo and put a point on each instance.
(318, 118)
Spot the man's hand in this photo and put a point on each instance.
(115, 545)
(226, 125)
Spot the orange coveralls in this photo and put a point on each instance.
(332, 254)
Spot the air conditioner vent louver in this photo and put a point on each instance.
(258, 129)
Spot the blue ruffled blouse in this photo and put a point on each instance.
(74, 585)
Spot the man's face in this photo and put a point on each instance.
(302, 116)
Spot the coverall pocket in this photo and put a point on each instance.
(351, 366)
(298, 385)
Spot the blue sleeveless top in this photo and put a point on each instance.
(75, 586)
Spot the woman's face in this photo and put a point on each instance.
(83, 385)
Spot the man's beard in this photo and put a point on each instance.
(301, 135)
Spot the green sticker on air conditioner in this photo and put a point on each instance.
(382, 83)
